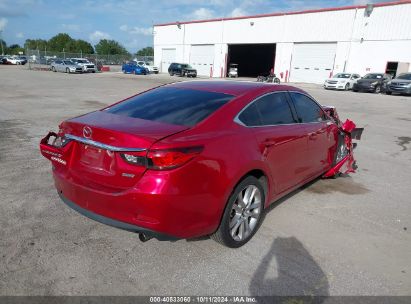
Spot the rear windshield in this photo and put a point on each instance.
(171, 105)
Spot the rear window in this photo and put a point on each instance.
(171, 105)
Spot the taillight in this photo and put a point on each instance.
(171, 158)
(162, 159)
(135, 158)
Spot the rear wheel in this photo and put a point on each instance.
(243, 214)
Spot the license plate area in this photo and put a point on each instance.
(96, 159)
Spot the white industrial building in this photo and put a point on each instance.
(305, 46)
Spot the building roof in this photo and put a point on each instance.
(290, 13)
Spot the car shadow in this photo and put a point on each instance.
(297, 273)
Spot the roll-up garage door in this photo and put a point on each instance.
(168, 56)
(312, 62)
(202, 58)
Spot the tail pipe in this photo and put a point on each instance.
(144, 237)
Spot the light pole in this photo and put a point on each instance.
(1, 40)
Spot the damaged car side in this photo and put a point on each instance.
(197, 158)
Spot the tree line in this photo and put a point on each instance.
(64, 43)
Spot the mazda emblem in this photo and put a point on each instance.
(87, 132)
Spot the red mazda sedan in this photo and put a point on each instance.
(196, 158)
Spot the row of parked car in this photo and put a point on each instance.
(139, 68)
(18, 60)
(372, 82)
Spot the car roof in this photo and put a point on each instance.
(235, 88)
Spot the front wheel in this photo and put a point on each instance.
(377, 89)
(68, 71)
(243, 214)
(276, 80)
(388, 93)
(347, 87)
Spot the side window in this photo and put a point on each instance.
(307, 109)
(272, 109)
(250, 116)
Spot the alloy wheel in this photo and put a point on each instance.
(245, 213)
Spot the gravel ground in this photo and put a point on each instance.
(348, 236)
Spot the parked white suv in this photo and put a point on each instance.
(341, 81)
(151, 68)
(85, 64)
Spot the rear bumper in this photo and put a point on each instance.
(114, 223)
(161, 204)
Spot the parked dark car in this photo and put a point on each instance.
(23, 60)
(401, 85)
(182, 69)
(373, 82)
(196, 158)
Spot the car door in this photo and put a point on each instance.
(321, 133)
(280, 138)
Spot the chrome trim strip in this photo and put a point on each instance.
(101, 145)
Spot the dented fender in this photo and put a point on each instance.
(344, 161)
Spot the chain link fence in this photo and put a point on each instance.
(41, 60)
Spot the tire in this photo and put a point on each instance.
(347, 87)
(388, 93)
(182, 74)
(354, 90)
(238, 215)
(171, 73)
(276, 80)
(53, 69)
(67, 70)
(377, 89)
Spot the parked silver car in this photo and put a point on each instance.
(66, 66)
(85, 64)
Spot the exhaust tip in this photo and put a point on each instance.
(144, 237)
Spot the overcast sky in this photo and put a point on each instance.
(129, 21)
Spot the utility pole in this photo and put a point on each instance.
(1, 40)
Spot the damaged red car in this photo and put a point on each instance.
(197, 158)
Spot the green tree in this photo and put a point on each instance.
(84, 47)
(35, 44)
(61, 42)
(147, 51)
(14, 49)
(110, 47)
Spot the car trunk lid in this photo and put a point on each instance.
(98, 142)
